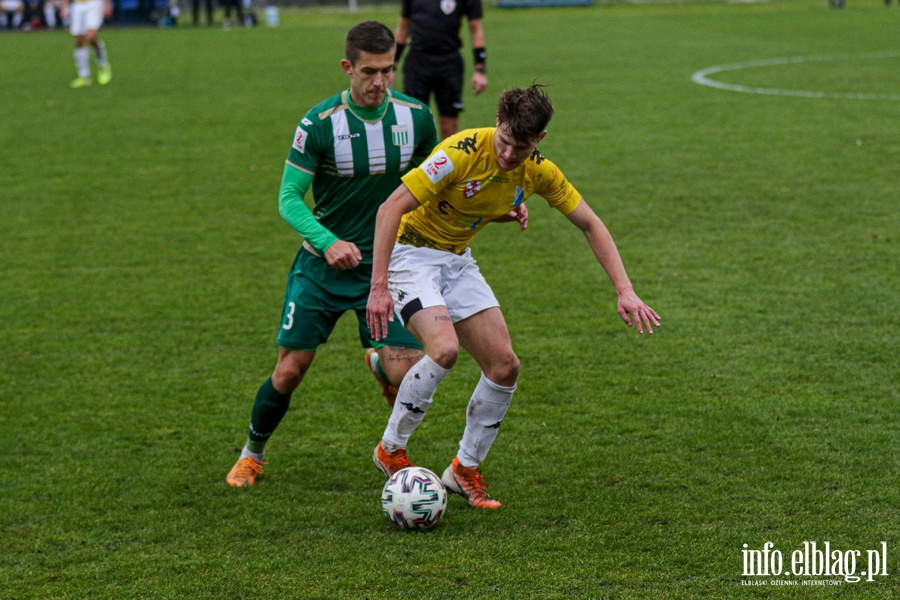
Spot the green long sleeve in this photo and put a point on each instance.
(294, 185)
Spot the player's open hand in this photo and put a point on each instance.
(633, 310)
(379, 312)
(343, 255)
(520, 214)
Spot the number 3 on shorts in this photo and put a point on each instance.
(289, 316)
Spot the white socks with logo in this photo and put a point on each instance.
(413, 399)
(485, 413)
(487, 407)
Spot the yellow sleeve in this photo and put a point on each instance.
(420, 186)
(550, 183)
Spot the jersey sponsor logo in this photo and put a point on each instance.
(467, 145)
(348, 136)
(472, 188)
(400, 135)
(448, 6)
(497, 179)
(519, 198)
(300, 140)
(438, 166)
(537, 157)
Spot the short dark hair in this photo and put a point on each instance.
(370, 36)
(525, 112)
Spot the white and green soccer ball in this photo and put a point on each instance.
(414, 498)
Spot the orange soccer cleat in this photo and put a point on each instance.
(468, 483)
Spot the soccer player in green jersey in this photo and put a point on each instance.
(352, 150)
(423, 231)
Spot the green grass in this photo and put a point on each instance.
(142, 263)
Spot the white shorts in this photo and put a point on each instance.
(11, 5)
(424, 277)
(85, 16)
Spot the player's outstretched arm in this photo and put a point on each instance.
(631, 308)
(380, 308)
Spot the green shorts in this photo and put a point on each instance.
(317, 296)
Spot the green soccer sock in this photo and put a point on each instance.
(269, 408)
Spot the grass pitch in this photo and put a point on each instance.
(142, 264)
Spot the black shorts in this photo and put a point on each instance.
(438, 74)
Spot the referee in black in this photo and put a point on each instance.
(434, 64)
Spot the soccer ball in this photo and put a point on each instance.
(414, 498)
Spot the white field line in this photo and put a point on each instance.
(702, 76)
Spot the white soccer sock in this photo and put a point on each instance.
(82, 62)
(50, 15)
(485, 413)
(414, 396)
(100, 55)
(261, 457)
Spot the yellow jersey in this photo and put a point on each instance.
(461, 188)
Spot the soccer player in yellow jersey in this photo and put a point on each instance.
(423, 269)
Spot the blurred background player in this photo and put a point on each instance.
(351, 149)
(208, 9)
(423, 232)
(12, 12)
(51, 13)
(85, 19)
(238, 8)
(433, 64)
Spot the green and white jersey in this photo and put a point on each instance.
(357, 156)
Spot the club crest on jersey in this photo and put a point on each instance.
(472, 188)
(400, 135)
(300, 140)
(519, 197)
(448, 6)
(438, 166)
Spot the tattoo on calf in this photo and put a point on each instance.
(403, 358)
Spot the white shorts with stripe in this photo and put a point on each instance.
(84, 16)
(424, 277)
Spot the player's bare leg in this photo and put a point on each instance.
(396, 361)
(486, 337)
(389, 365)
